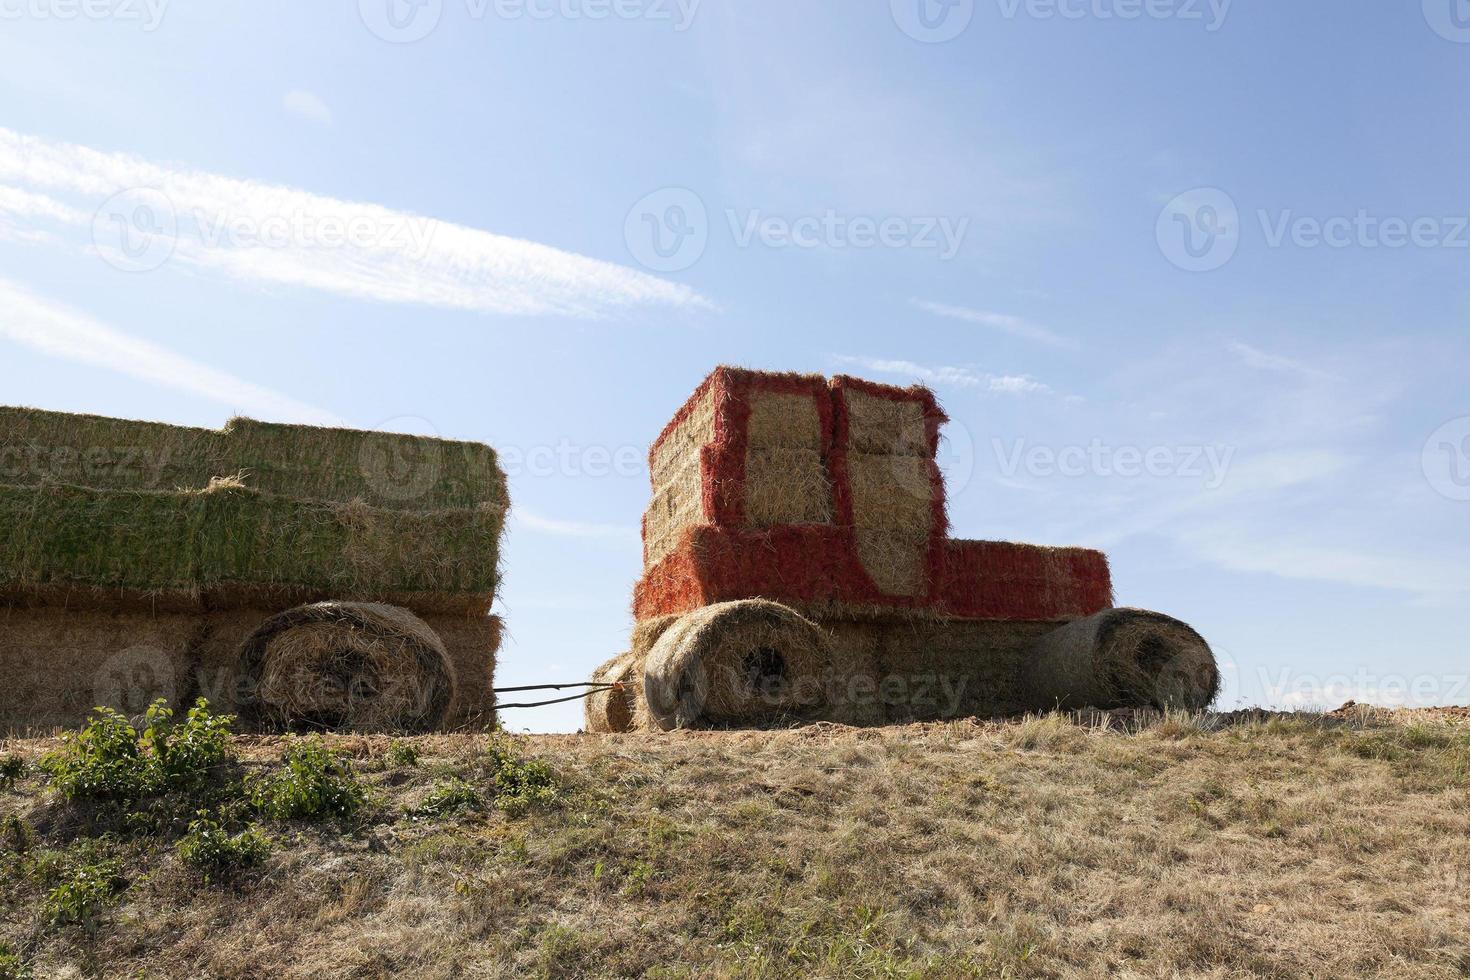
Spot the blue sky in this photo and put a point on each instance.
(1190, 277)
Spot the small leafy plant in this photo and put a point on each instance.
(211, 849)
(12, 771)
(448, 799)
(12, 967)
(83, 894)
(404, 755)
(314, 784)
(109, 762)
(520, 784)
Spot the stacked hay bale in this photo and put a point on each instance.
(890, 492)
(110, 519)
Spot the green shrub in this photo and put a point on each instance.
(447, 799)
(208, 847)
(187, 754)
(520, 784)
(12, 967)
(86, 891)
(12, 771)
(110, 762)
(16, 835)
(315, 784)
(403, 754)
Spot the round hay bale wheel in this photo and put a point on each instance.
(737, 663)
(1124, 658)
(346, 666)
(612, 710)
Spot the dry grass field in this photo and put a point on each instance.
(1246, 845)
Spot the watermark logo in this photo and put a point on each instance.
(941, 234)
(1199, 231)
(932, 21)
(1450, 19)
(399, 467)
(668, 230)
(1210, 13)
(148, 13)
(1207, 465)
(1296, 691)
(132, 680)
(401, 21)
(136, 230)
(1447, 459)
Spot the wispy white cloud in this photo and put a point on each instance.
(264, 233)
(309, 106)
(1004, 322)
(59, 331)
(1266, 361)
(574, 529)
(1237, 549)
(961, 377)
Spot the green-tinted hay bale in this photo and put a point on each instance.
(233, 536)
(96, 503)
(386, 470)
(105, 539)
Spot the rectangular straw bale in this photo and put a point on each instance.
(386, 470)
(1007, 580)
(785, 420)
(229, 536)
(786, 486)
(111, 454)
(898, 562)
(63, 535)
(895, 493)
(853, 689)
(59, 664)
(944, 669)
(875, 418)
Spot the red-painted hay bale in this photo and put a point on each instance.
(816, 569)
(747, 449)
(877, 418)
(1003, 580)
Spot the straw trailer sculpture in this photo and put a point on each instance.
(302, 577)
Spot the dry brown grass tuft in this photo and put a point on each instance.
(1134, 845)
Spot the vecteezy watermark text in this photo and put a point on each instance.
(937, 21)
(140, 229)
(1201, 230)
(830, 229)
(147, 13)
(407, 21)
(1210, 13)
(669, 230)
(1208, 464)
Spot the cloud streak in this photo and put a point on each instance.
(951, 375)
(1004, 322)
(121, 207)
(574, 529)
(59, 331)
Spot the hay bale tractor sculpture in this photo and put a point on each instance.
(798, 567)
(302, 577)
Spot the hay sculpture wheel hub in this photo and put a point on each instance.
(347, 666)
